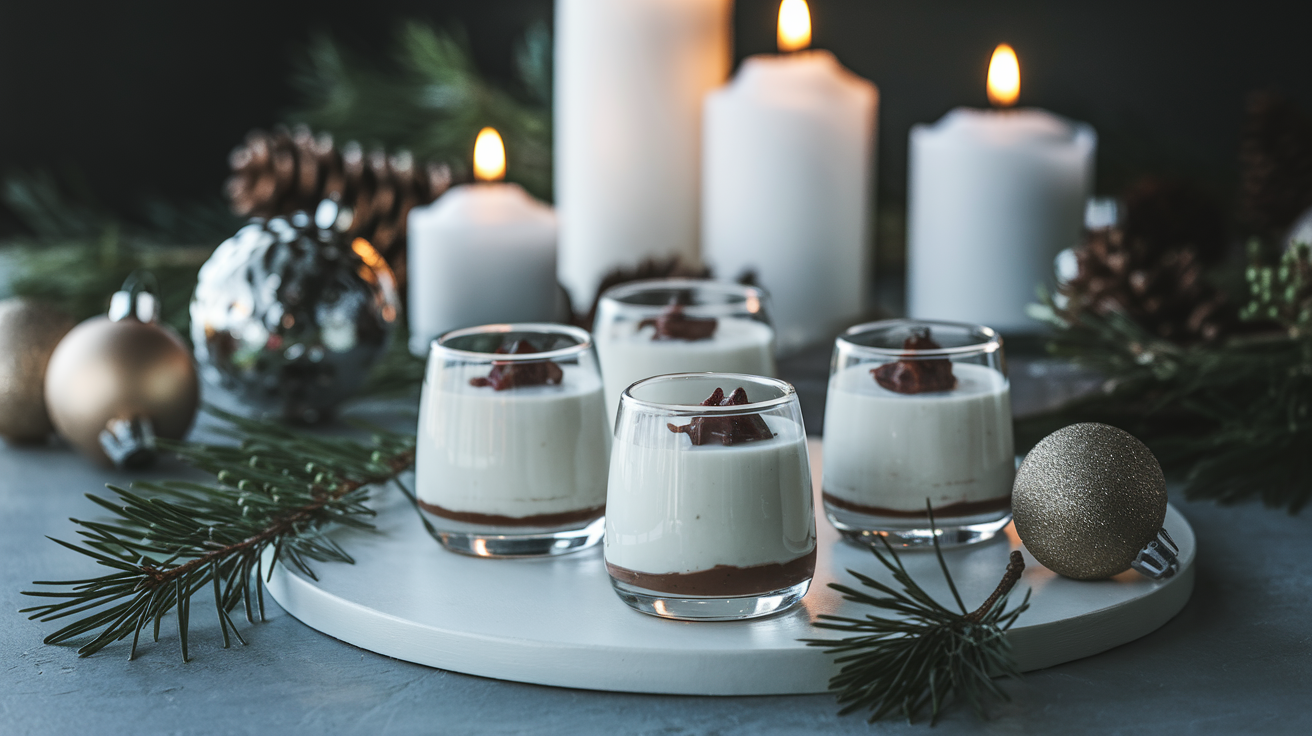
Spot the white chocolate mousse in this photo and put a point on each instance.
(534, 455)
(711, 519)
(629, 353)
(886, 452)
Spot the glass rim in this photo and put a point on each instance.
(618, 292)
(992, 344)
(756, 407)
(439, 346)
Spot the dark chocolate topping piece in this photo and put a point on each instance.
(673, 324)
(912, 376)
(507, 374)
(728, 430)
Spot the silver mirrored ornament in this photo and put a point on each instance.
(1089, 502)
(289, 317)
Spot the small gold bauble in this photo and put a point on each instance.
(29, 331)
(1087, 499)
(124, 369)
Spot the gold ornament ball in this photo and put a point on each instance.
(1087, 499)
(104, 370)
(29, 331)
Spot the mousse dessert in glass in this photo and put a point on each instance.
(648, 328)
(918, 412)
(513, 444)
(709, 513)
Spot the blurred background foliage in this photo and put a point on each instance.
(135, 106)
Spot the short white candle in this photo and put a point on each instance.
(993, 197)
(787, 184)
(482, 253)
(630, 78)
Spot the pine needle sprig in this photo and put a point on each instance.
(166, 541)
(924, 654)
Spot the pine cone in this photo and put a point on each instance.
(284, 171)
(1151, 267)
(1275, 159)
(652, 268)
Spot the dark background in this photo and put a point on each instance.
(134, 99)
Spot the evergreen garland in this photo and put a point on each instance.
(1232, 420)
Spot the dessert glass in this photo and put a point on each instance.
(909, 421)
(709, 508)
(513, 447)
(649, 328)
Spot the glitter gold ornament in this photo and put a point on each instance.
(29, 331)
(1089, 502)
(116, 382)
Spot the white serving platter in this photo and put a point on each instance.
(557, 621)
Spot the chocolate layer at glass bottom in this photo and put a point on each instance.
(949, 511)
(722, 580)
(548, 520)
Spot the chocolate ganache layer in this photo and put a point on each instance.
(548, 520)
(949, 511)
(722, 580)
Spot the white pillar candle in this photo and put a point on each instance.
(993, 197)
(787, 185)
(482, 253)
(630, 78)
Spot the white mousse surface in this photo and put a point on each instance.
(675, 507)
(627, 355)
(891, 450)
(519, 452)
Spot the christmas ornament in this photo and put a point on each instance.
(1089, 502)
(282, 172)
(116, 382)
(289, 315)
(29, 331)
(1149, 265)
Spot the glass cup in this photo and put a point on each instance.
(513, 444)
(918, 412)
(649, 328)
(709, 509)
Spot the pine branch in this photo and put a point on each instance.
(167, 541)
(76, 252)
(924, 654)
(1227, 419)
(432, 100)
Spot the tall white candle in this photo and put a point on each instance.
(993, 197)
(482, 253)
(787, 184)
(630, 77)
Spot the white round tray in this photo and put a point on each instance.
(557, 621)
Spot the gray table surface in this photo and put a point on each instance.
(1238, 659)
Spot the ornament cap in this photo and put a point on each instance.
(129, 442)
(136, 299)
(1158, 559)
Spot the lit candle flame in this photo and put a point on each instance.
(1004, 77)
(489, 156)
(794, 25)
